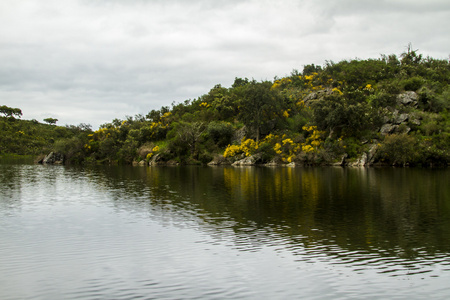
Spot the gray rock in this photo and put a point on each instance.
(361, 161)
(401, 118)
(372, 153)
(318, 95)
(367, 158)
(248, 161)
(408, 98)
(219, 160)
(156, 160)
(54, 158)
(239, 135)
(388, 128)
(415, 122)
(311, 96)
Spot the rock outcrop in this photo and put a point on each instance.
(158, 161)
(408, 98)
(219, 160)
(249, 161)
(367, 158)
(53, 158)
(317, 96)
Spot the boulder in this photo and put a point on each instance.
(249, 161)
(156, 160)
(401, 118)
(408, 98)
(361, 161)
(219, 160)
(372, 153)
(367, 158)
(318, 95)
(388, 128)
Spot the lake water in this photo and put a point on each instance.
(223, 233)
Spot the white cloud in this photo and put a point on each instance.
(93, 61)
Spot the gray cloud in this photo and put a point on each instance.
(93, 61)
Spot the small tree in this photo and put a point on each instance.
(51, 121)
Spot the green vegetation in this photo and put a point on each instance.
(394, 110)
(23, 137)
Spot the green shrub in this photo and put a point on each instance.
(220, 132)
(413, 83)
(399, 149)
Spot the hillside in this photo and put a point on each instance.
(390, 110)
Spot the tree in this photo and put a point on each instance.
(342, 116)
(259, 105)
(10, 112)
(51, 121)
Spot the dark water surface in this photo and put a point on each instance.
(223, 233)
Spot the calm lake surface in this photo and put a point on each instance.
(223, 233)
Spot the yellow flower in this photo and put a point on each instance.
(337, 91)
(232, 150)
(307, 148)
(277, 148)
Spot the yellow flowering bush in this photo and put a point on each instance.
(232, 150)
(337, 91)
(287, 148)
(314, 141)
(249, 146)
(283, 82)
(307, 148)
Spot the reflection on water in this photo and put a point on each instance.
(223, 232)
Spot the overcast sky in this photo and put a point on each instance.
(90, 61)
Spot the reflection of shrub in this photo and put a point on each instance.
(399, 149)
